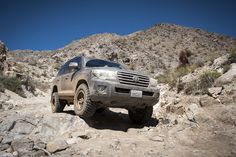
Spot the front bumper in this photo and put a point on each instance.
(113, 94)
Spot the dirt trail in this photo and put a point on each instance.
(111, 133)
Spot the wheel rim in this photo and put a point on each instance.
(80, 100)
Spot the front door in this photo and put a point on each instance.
(67, 78)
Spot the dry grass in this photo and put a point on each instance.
(171, 77)
(13, 84)
(200, 86)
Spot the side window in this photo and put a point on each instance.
(61, 71)
(65, 68)
(77, 60)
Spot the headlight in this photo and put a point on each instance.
(153, 82)
(105, 74)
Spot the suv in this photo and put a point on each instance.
(92, 84)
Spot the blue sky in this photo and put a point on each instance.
(51, 24)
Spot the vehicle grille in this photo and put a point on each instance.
(133, 79)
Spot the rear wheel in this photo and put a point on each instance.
(140, 115)
(82, 103)
(56, 104)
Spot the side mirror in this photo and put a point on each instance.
(73, 65)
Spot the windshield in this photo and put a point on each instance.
(102, 63)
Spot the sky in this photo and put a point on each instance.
(52, 24)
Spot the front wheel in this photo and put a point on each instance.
(82, 103)
(140, 115)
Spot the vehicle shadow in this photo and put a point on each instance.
(114, 121)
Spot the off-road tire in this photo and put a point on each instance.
(56, 104)
(83, 105)
(140, 115)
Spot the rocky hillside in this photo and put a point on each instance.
(151, 51)
(196, 114)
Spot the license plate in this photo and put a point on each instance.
(136, 93)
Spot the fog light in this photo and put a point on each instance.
(102, 89)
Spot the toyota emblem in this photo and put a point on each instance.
(136, 78)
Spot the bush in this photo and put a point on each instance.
(13, 84)
(171, 77)
(226, 68)
(200, 86)
(232, 57)
(29, 85)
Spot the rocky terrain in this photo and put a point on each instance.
(196, 115)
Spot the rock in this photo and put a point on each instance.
(3, 154)
(226, 99)
(7, 125)
(7, 139)
(56, 124)
(56, 145)
(179, 110)
(206, 100)
(176, 101)
(9, 150)
(1, 138)
(194, 108)
(71, 141)
(227, 77)
(156, 139)
(6, 105)
(214, 91)
(164, 120)
(126, 60)
(220, 61)
(15, 154)
(191, 112)
(22, 146)
(4, 147)
(23, 127)
(40, 144)
(38, 153)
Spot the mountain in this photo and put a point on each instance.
(151, 51)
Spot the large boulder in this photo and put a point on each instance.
(3, 56)
(227, 77)
(220, 61)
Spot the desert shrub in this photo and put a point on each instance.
(200, 86)
(182, 71)
(183, 57)
(167, 78)
(171, 77)
(13, 84)
(226, 68)
(29, 85)
(232, 57)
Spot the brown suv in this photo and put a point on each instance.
(91, 84)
